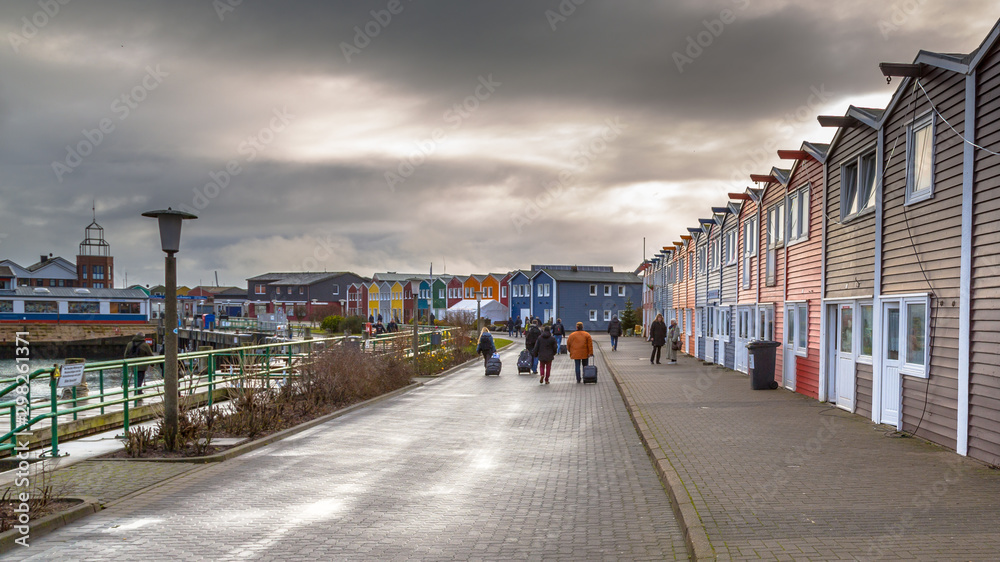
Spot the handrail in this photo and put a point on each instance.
(270, 360)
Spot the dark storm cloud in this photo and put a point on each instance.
(698, 88)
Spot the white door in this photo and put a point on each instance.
(744, 331)
(710, 335)
(845, 357)
(788, 364)
(891, 382)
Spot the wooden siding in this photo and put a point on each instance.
(803, 274)
(730, 273)
(773, 294)
(701, 280)
(984, 368)
(850, 246)
(921, 251)
(714, 275)
(748, 295)
(863, 390)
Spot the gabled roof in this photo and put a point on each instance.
(592, 276)
(393, 276)
(57, 261)
(6, 271)
(296, 278)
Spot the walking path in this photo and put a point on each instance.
(465, 467)
(776, 475)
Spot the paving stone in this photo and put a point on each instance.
(466, 467)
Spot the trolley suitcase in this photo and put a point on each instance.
(524, 362)
(562, 349)
(590, 374)
(493, 366)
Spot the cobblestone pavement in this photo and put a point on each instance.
(112, 480)
(466, 467)
(776, 475)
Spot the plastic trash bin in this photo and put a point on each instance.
(762, 354)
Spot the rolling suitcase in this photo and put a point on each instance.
(493, 365)
(590, 374)
(562, 349)
(524, 362)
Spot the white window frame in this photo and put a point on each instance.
(690, 323)
(607, 290)
(716, 254)
(593, 290)
(926, 120)
(797, 228)
(699, 329)
(846, 203)
(503, 292)
(489, 292)
(906, 367)
(732, 245)
(593, 316)
(621, 290)
(792, 328)
(722, 323)
(440, 294)
(607, 316)
(861, 357)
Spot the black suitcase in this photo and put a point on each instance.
(562, 349)
(590, 374)
(524, 362)
(493, 366)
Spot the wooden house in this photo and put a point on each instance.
(770, 301)
(520, 295)
(803, 262)
(727, 220)
(748, 286)
(700, 290)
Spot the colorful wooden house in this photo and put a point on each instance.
(504, 282)
(520, 294)
(700, 290)
(727, 219)
(748, 277)
(803, 262)
(770, 307)
(455, 290)
(471, 285)
(490, 285)
(848, 259)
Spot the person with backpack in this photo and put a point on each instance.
(486, 345)
(530, 338)
(138, 348)
(545, 351)
(559, 332)
(615, 331)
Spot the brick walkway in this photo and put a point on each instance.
(776, 475)
(465, 467)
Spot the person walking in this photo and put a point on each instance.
(517, 327)
(545, 350)
(138, 348)
(615, 331)
(673, 342)
(581, 347)
(510, 327)
(658, 336)
(559, 332)
(530, 338)
(486, 346)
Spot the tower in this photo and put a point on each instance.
(94, 263)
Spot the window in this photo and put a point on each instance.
(6, 306)
(302, 290)
(920, 159)
(544, 290)
(698, 323)
(716, 253)
(98, 272)
(797, 327)
(593, 316)
(802, 343)
(503, 292)
(621, 290)
(765, 323)
(336, 290)
(798, 216)
(775, 229)
(607, 315)
(84, 308)
(722, 323)
(702, 264)
(857, 186)
(470, 293)
(98, 285)
(593, 290)
(41, 307)
(710, 322)
(259, 289)
(277, 290)
(124, 308)
(749, 250)
(607, 290)
(846, 328)
(690, 323)
(915, 336)
(489, 292)
(440, 294)
(867, 331)
(731, 241)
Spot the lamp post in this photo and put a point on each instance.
(479, 302)
(170, 242)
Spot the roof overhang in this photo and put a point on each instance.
(838, 121)
(793, 154)
(739, 196)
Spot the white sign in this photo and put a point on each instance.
(71, 375)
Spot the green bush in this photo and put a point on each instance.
(331, 323)
(355, 324)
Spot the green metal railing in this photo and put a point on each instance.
(202, 371)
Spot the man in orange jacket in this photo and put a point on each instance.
(580, 346)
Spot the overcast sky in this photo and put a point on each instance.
(390, 134)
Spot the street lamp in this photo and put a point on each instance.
(479, 302)
(170, 242)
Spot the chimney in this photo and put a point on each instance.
(43, 258)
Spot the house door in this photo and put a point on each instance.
(698, 330)
(845, 357)
(788, 363)
(710, 335)
(744, 332)
(890, 380)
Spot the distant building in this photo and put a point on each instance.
(62, 305)
(283, 292)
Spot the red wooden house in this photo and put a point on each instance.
(771, 258)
